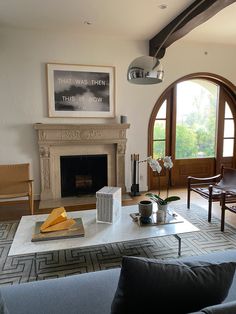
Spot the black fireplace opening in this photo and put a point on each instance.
(83, 174)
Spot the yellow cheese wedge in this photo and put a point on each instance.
(57, 215)
(60, 226)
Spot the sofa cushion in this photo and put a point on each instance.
(179, 287)
(229, 308)
(85, 293)
(3, 307)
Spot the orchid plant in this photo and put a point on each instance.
(162, 201)
(156, 166)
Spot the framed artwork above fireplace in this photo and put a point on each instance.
(80, 91)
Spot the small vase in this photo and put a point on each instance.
(145, 208)
(161, 213)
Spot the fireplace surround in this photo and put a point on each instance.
(56, 140)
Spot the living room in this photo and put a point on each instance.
(34, 35)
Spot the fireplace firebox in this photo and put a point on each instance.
(83, 174)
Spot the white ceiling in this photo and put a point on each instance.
(128, 19)
(221, 28)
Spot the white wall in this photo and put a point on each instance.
(24, 53)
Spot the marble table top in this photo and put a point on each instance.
(124, 229)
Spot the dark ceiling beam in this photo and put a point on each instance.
(194, 15)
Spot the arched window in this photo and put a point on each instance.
(194, 122)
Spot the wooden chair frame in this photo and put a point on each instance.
(15, 182)
(211, 189)
(224, 207)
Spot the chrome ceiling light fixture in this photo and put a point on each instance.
(146, 70)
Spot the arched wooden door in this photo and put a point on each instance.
(194, 122)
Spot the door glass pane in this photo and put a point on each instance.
(162, 111)
(228, 112)
(229, 128)
(159, 130)
(159, 148)
(228, 147)
(196, 119)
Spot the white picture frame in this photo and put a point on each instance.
(81, 91)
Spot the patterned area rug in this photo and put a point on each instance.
(68, 262)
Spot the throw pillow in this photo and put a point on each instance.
(146, 285)
(3, 308)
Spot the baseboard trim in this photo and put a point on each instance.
(15, 202)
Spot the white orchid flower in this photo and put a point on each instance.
(168, 164)
(154, 164)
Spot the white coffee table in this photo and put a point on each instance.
(125, 229)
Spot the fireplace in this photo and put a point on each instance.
(59, 140)
(82, 175)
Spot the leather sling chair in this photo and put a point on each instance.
(211, 188)
(15, 182)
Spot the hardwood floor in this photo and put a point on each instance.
(14, 210)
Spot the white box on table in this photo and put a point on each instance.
(108, 204)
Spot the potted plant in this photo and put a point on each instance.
(156, 166)
(162, 204)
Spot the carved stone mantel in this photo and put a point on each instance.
(57, 140)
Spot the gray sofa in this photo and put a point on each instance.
(92, 293)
